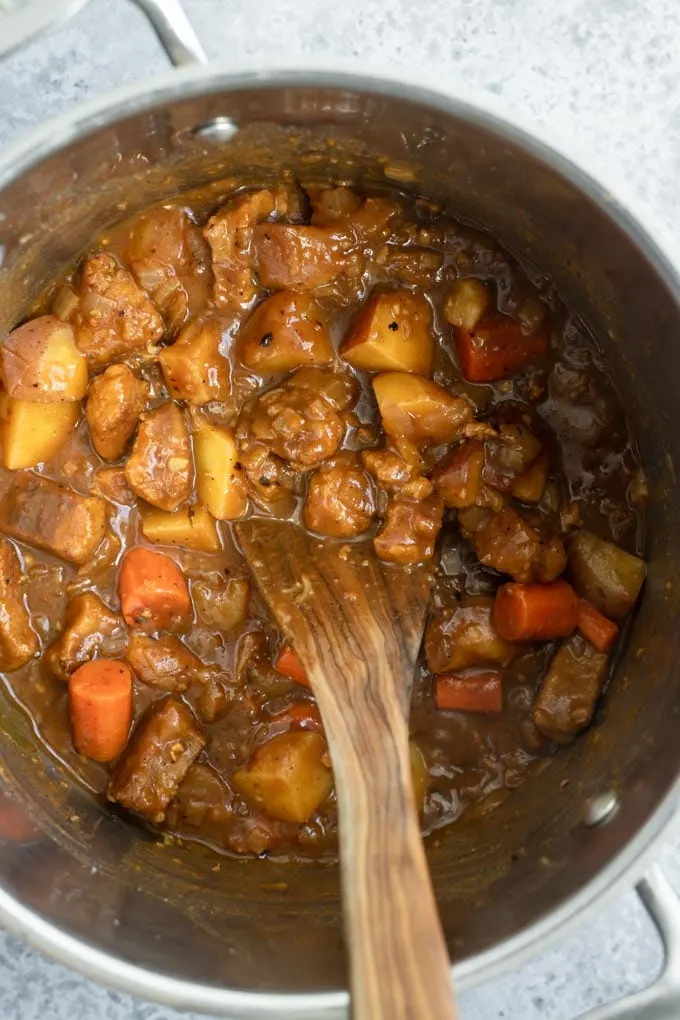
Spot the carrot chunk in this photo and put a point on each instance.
(289, 665)
(481, 691)
(153, 591)
(535, 612)
(100, 702)
(594, 626)
(497, 348)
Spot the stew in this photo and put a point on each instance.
(364, 364)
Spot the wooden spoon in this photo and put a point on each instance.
(356, 625)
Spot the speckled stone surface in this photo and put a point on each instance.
(599, 79)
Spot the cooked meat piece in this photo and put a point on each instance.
(171, 261)
(164, 662)
(339, 389)
(271, 481)
(412, 265)
(461, 636)
(203, 803)
(111, 483)
(340, 500)
(114, 318)
(229, 233)
(389, 469)
(90, 629)
(115, 401)
(221, 602)
(410, 530)
(508, 456)
(150, 770)
(159, 468)
(509, 544)
(45, 514)
(18, 640)
(566, 701)
(293, 423)
(292, 257)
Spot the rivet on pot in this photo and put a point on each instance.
(219, 129)
(601, 809)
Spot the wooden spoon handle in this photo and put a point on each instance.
(399, 965)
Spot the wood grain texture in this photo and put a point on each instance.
(356, 625)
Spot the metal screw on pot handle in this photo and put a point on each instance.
(661, 1001)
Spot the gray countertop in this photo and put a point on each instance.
(600, 80)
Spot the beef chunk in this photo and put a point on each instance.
(509, 544)
(340, 500)
(18, 640)
(410, 530)
(47, 515)
(159, 469)
(90, 628)
(229, 233)
(164, 662)
(114, 318)
(294, 423)
(150, 770)
(300, 258)
(566, 701)
(171, 261)
(115, 401)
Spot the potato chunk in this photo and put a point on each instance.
(114, 318)
(39, 361)
(115, 401)
(393, 332)
(285, 331)
(18, 640)
(467, 304)
(220, 484)
(190, 528)
(605, 575)
(45, 514)
(33, 433)
(193, 367)
(416, 409)
(288, 777)
(159, 468)
(464, 636)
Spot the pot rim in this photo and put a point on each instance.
(630, 862)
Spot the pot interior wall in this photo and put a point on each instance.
(263, 925)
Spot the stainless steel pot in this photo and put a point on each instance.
(259, 939)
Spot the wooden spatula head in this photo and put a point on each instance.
(356, 624)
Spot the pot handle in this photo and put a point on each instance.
(174, 31)
(661, 1001)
